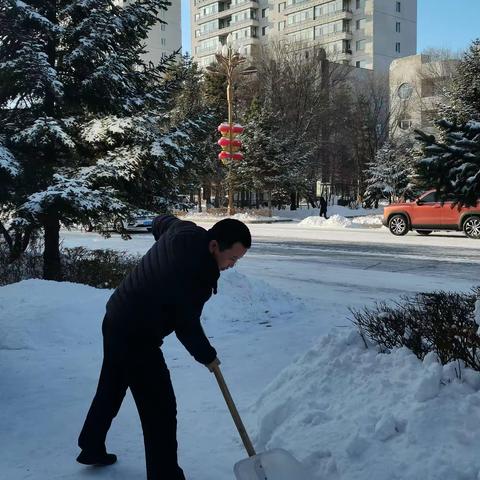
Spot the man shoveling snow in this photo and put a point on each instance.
(165, 293)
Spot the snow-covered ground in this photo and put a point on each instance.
(286, 214)
(301, 377)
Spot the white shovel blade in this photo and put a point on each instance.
(275, 464)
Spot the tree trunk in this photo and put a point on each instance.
(293, 201)
(51, 253)
(199, 192)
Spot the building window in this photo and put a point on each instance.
(360, 24)
(360, 45)
(163, 42)
(281, 6)
(162, 27)
(282, 25)
(397, 47)
(397, 27)
(405, 91)
(359, 4)
(264, 12)
(399, 7)
(264, 31)
(357, 64)
(405, 124)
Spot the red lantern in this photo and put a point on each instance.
(224, 156)
(236, 129)
(228, 145)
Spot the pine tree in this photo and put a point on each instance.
(85, 125)
(391, 175)
(451, 164)
(272, 163)
(463, 95)
(452, 167)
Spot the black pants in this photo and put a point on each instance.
(323, 212)
(142, 368)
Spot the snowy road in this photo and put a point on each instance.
(353, 256)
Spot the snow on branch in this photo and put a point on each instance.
(8, 162)
(121, 163)
(31, 62)
(104, 129)
(76, 194)
(35, 17)
(44, 131)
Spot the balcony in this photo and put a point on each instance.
(313, 22)
(334, 16)
(334, 36)
(230, 28)
(227, 11)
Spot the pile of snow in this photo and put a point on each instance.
(369, 220)
(352, 413)
(360, 215)
(334, 221)
(247, 217)
(30, 315)
(242, 298)
(36, 314)
(302, 213)
(337, 221)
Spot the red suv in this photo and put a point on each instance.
(427, 213)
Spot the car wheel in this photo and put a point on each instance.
(118, 225)
(471, 227)
(424, 232)
(398, 225)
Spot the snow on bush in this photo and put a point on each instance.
(356, 414)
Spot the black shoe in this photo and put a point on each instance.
(97, 459)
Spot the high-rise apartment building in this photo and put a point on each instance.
(362, 33)
(163, 39)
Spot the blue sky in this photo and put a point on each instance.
(460, 18)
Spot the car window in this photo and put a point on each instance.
(432, 197)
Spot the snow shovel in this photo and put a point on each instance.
(276, 464)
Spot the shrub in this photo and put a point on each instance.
(440, 322)
(97, 268)
(29, 265)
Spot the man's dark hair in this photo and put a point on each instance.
(229, 231)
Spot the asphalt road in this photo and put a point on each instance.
(445, 262)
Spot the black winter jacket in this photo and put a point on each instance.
(166, 291)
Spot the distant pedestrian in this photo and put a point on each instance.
(323, 207)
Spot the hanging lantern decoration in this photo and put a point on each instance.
(229, 143)
(225, 156)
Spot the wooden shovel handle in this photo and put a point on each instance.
(233, 410)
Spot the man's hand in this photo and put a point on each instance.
(215, 363)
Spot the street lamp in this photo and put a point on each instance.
(229, 58)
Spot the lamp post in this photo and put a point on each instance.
(229, 59)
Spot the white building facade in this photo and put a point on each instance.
(361, 33)
(416, 90)
(163, 39)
